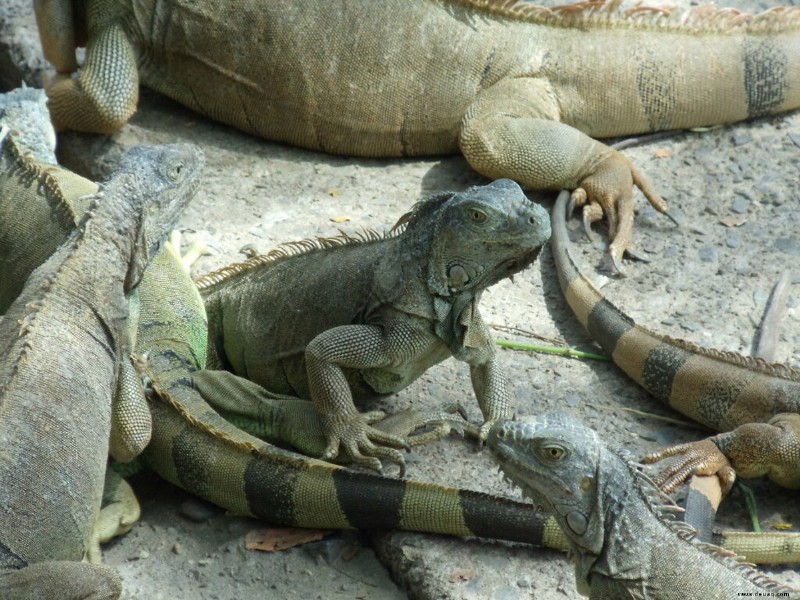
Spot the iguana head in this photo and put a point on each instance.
(557, 461)
(479, 236)
(162, 180)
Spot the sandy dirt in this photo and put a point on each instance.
(707, 282)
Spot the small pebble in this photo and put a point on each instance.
(199, 510)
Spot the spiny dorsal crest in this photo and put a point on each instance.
(289, 250)
(32, 172)
(665, 510)
(608, 14)
(758, 365)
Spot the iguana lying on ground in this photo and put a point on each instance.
(756, 403)
(517, 88)
(621, 528)
(56, 411)
(196, 449)
(340, 320)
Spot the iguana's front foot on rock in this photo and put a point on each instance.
(750, 450)
(367, 446)
(696, 458)
(118, 514)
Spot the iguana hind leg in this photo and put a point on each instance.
(283, 419)
(512, 130)
(105, 94)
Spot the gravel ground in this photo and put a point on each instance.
(706, 282)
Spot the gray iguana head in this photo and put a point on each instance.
(558, 463)
(479, 236)
(159, 182)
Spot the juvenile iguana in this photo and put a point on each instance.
(516, 88)
(55, 424)
(344, 320)
(756, 403)
(621, 528)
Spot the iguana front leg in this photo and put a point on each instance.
(278, 418)
(356, 347)
(513, 130)
(751, 450)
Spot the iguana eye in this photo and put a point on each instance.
(554, 453)
(177, 172)
(477, 216)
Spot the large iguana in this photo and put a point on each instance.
(347, 320)
(755, 403)
(196, 449)
(621, 528)
(56, 427)
(515, 87)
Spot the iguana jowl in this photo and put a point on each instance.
(621, 528)
(516, 88)
(356, 320)
(64, 346)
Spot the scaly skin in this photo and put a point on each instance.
(756, 403)
(31, 181)
(622, 531)
(196, 449)
(518, 89)
(344, 320)
(56, 411)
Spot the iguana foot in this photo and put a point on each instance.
(117, 516)
(444, 422)
(697, 458)
(367, 446)
(608, 191)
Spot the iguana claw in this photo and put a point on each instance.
(353, 432)
(609, 191)
(697, 458)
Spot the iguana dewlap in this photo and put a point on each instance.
(519, 89)
(340, 320)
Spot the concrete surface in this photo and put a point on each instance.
(707, 282)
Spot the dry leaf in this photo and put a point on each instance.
(274, 539)
(782, 526)
(461, 575)
(334, 192)
(663, 152)
(733, 221)
(340, 219)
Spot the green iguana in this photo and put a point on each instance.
(622, 529)
(756, 403)
(518, 89)
(56, 425)
(344, 320)
(196, 449)
(30, 177)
